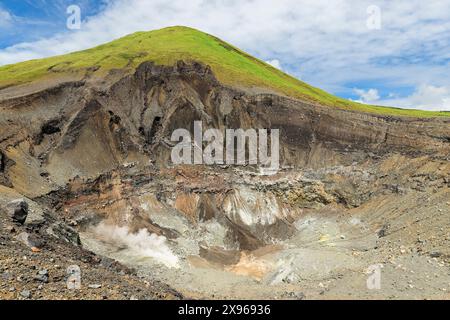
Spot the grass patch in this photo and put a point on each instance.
(232, 66)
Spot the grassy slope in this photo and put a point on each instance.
(166, 46)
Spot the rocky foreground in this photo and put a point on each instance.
(36, 251)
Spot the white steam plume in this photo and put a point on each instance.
(141, 243)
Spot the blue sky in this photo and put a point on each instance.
(382, 52)
(34, 19)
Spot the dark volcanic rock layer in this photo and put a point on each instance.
(88, 128)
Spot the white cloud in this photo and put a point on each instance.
(370, 96)
(426, 97)
(5, 18)
(275, 63)
(327, 41)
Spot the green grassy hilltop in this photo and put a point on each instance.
(232, 66)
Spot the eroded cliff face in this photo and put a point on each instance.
(99, 150)
(87, 128)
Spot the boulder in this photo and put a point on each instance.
(30, 240)
(62, 231)
(26, 294)
(17, 210)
